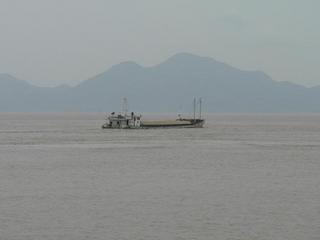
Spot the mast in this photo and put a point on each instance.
(200, 107)
(194, 108)
(125, 106)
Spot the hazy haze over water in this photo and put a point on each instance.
(67, 41)
(241, 177)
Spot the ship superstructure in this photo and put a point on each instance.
(123, 121)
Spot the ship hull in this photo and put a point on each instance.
(183, 123)
(174, 124)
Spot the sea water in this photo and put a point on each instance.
(242, 176)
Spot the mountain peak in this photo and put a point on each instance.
(187, 61)
(127, 65)
(6, 76)
(184, 56)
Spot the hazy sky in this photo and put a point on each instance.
(52, 42)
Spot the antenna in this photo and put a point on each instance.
(125, 106)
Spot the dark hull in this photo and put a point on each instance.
(191, 124)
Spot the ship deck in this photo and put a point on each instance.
(164, 122)
(167, 123)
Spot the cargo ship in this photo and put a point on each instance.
(134, 121)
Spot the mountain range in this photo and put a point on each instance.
(167, 87)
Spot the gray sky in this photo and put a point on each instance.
(52, 42)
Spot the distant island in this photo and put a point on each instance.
(167, 87)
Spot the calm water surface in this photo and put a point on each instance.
(241, 177)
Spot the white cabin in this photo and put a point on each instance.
(123, 121)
